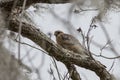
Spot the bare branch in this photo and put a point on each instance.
(112, 65)
(88, 36)
(30, 46)
(83, 36)
(7, 4)
(83, 10)
(105, 56)
(108, 38)
(55, 64)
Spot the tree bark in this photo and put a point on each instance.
(8, 4)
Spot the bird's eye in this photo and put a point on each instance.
(58, 32)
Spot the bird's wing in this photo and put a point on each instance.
(69, 39)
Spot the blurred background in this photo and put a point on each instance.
(104, 37)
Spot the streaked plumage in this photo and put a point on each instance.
(70, 42)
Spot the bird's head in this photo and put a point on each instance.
(56, 33)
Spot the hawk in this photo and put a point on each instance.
(69, 42)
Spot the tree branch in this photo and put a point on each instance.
(8, 4)
(56, 51)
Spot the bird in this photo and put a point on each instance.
(70, 43)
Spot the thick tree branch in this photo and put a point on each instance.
(56, 51)
(7, 4)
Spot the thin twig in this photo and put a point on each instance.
(30, 46)
(20, 28)
(55, 64)
(108, 42)
(83, 36)
(112, 65)
(84, 10)
(65, 75)
(105, 56)
(51, 72)
(88, 38)
(108, 38)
